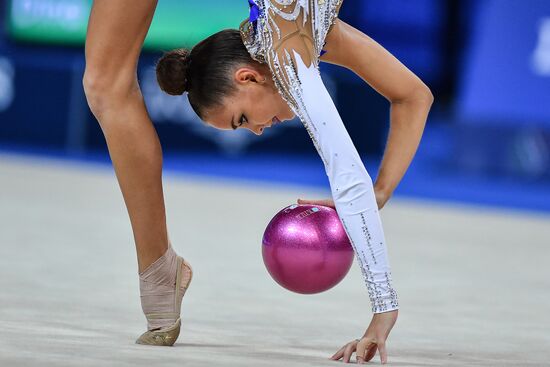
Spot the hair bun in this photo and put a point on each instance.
(172, 71)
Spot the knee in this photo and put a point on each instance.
(94, 86)
(104, 91)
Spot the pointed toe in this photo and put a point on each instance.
(164, 337)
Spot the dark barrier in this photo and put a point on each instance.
(43, 104)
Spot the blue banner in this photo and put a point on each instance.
(506, 79)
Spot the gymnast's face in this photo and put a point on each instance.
(255, 105)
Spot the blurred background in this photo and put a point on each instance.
(467, 230)
(487, 140)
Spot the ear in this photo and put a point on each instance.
(247, 74)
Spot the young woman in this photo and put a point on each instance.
(262, 74)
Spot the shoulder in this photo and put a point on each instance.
(280, 32)
(271, 21)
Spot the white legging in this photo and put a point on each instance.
(350, 184)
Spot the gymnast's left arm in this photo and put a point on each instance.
(410, 98)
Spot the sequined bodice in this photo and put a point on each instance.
(262, 36)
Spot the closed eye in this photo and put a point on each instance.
(242, 120)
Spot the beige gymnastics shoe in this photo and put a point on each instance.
(168, 336)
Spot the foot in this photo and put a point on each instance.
(161, 299)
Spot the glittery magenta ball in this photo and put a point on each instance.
(306, 249)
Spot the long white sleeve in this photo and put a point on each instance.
(350, 184)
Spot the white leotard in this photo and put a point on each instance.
(301, 87)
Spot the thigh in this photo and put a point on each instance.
(116, 31)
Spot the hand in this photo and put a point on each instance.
(373, 339)
(381, 199)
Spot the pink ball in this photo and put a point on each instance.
(306, 249)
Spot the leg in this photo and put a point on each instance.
(115, 35)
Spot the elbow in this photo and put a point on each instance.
(422, 94)
(428, 96)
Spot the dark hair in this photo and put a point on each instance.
(205, 70)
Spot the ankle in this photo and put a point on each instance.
(149, 257)
(161, 268)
